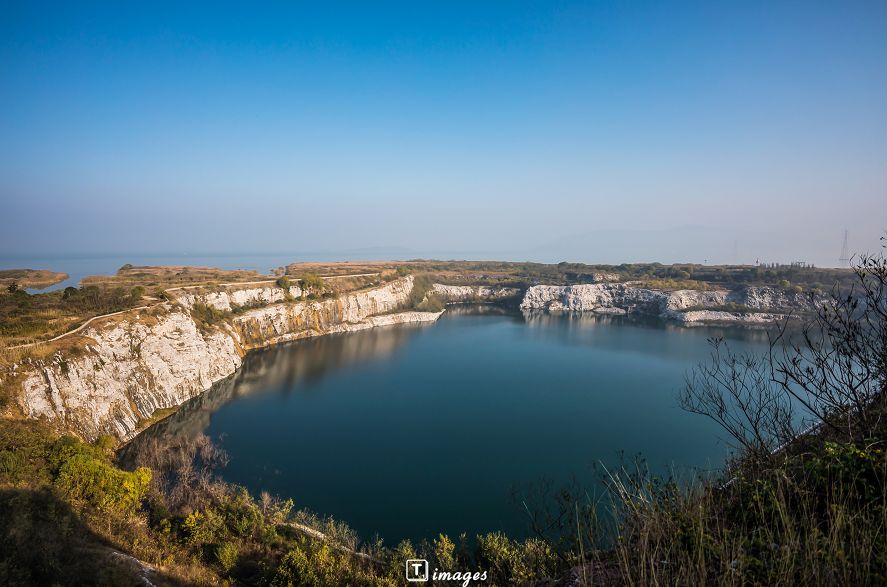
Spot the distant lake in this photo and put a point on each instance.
(411, 431)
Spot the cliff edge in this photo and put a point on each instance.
(129, 366)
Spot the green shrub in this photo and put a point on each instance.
(204, 528)
(226, 555)
(84, 473)
(241, 514)
(317, 565)
(312, 284)
(207, 316)
(24, 453)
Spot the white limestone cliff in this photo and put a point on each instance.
(750, 305)
(474, 293)
(232, 297)
(142, 361)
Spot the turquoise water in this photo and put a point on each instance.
(411, 431)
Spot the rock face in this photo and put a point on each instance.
(135, 363)
(751, 304)
(140, 362)
(231, 297)
(475, 293)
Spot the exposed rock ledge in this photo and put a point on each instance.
(475, 293)
(143, 361)
(748, 305)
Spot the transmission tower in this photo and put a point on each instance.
(845, 254)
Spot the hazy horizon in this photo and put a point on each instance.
(600, 132)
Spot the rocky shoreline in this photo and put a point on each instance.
(127, 367)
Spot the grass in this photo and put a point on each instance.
(26, 318)
(812, 517)
(516, 274)
(166, 277)
(30, 278)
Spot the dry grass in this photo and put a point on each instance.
(172, 276)
(814, 519)
(30, 278)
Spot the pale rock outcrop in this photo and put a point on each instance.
(720, 316)
(232, 297)
(474, 293)
(132, 368)
(143, 361)
(752, 305)
(772, 298)
(593, 297)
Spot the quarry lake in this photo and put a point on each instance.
(411, 431)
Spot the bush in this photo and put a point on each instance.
(508, 561)
(84, 473)
(204, 528)
(283, 282)
(227, 554)
(431, 303)
(24, 453)
(312, 284)
(207, 316)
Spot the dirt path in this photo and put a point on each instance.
(183, 287)
(76, 330)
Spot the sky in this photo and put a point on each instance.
(595, 131)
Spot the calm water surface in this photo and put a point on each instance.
(411, 431)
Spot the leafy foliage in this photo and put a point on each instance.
(207, 316)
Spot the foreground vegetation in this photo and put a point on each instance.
(805, 501)
(797, 504)
(62, 499)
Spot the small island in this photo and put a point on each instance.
(30, 278)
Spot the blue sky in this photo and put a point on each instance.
(589, 131)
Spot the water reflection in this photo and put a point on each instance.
(280, 369)
(409, 432)
(544, 321)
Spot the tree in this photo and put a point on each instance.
(834, 368)
(837, 367)
(738, 393)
